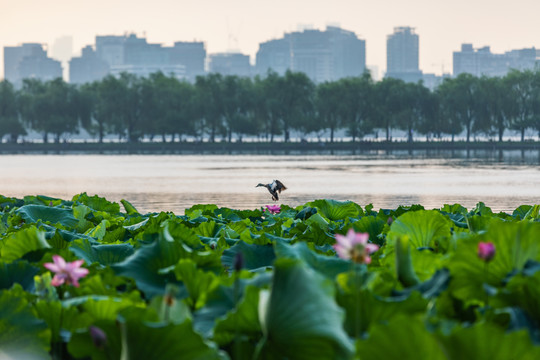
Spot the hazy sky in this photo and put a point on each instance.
(242, 24)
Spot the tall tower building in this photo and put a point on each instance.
(322, 55)
(402, 55)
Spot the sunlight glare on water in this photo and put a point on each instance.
(176, 182)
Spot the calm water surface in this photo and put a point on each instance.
(502, 180)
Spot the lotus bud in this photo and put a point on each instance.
(238, 262)
(99, 337)
(486, 251)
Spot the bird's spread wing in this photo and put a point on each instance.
(279, 186)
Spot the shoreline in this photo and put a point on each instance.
(259, 147)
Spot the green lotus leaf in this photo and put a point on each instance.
(208, 229)
(410, 340)
(58, 318)
(81, 344)
(198, 283)
(364, 309)
(242, 322)
(336, 210)
(200, 209)
(485, 341)
(515, 244)
(254, 256)
(145, 264)
(23, 242)
(17, 272)
(106, 254)
(523, 291)
(97, 203)
(42, 200)
(300, 318)
(371, 225)
(329, 266)
(130, 209)
(53, 215)
(22, 335)
(99, 231)
(169, 341)
(521, 211)
(425, 228)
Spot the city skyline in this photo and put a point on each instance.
(242, 25)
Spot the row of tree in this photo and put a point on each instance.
(230, 106)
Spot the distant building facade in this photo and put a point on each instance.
(29, 61)
(482, 61)
(402, 55)
(230, 64)
(116, 54)
(274, 55)
(192, 55)
(88, 67)
(322, 55)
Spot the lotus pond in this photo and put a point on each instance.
(218, 283)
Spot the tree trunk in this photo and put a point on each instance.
(501, 132)
(388, 133)
(523, 134)
(101, 132)
(45, 138)
(332, 134)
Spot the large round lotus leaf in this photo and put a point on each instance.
(17, 272)
(515, 244)
(300, 318)
(424, 228)
(23, 242)
(485, 341)
(105, 254)
(402, 337)
(53, 215)
(253, 256)
(147, 340)
(336, 210)
(22, 335)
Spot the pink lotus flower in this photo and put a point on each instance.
(273, 209)
(486, 251)
(68, 273)
(355, 246)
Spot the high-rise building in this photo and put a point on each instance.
(87, 68)
(29, 60)
(322, 55)
(111, 49)
(191, 55)
(402, 54)
(230, 64)
(274, 55)
(482, 61)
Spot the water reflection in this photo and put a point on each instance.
(501, 179)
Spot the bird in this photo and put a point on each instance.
(274, 188)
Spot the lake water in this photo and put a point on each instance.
(502, 180)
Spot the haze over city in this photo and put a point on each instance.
(241, 25)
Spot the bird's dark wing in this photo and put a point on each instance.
(280, 186)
